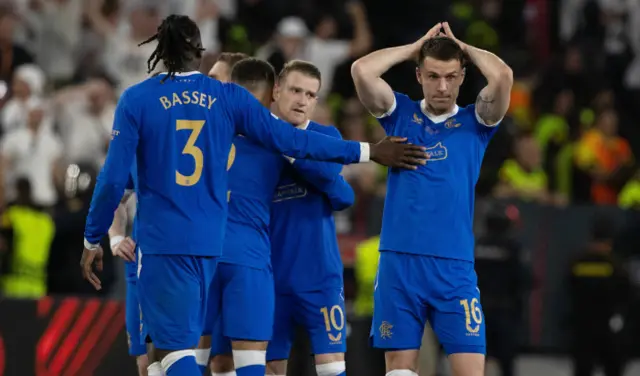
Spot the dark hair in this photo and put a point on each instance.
(251, 73)
(178, 44)
(305, 67)
(231, 58)
(441, 48)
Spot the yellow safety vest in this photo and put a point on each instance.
(33, 233)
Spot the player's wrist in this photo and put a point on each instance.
(91, 246)
(115, 240)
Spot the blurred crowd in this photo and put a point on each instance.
(570, 137)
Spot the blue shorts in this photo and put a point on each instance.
(321, 313)
(411, 289)
(241, 303)
(172, 290)
(133, 322)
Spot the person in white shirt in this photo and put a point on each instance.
(28, 82)
(293, 41)
(124, 60)
(85, 118)
(33, 152)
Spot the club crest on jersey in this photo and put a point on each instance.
(438, 152)
(417, 119)
(451, 123)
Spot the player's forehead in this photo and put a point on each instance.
(300, 80)
(220, 71)
(441, 67)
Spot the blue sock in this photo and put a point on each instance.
(181, 363)
(250, 362)
(343, 374)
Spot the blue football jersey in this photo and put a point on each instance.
(305, 254)
(180, 132)
(429, 211)
(253, 176)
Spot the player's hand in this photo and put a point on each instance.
(87, 262)
(433, 32)
(125, 249)
(393, 152)
(448, 33)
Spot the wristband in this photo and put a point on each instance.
(89, 246)
(114, 241)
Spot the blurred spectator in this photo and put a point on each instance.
(85, 117)
(504, 281)
(606, 158)
(600, 292)
(11, 54)
(553, 128)
(124, 60)
(629, 197)
(70, 215)
(55, 30)
(27, 232)
(28, 82)
(294, 42)
(523, 176)
(34, 152)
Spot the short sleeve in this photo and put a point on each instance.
(390, 119)
(485, 131)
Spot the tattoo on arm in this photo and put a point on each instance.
(487, 108)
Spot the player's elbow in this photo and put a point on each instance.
(344, 200)
(358, 70)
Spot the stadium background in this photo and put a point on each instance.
(63, 62)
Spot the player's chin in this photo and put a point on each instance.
(298, 117)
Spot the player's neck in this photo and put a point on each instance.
(436, 115)
(435, 112)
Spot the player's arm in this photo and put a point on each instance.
(325, 176)
(493, 101)
(374, 93)
(113, 178)
(118, 229)
(121, 245)
(256, 122)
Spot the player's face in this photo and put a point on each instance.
(221, 71)
(296, 97)
(440, 80)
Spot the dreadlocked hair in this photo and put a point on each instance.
(178, 44)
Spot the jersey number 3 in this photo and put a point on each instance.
(195, 126)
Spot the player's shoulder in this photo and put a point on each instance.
(468, 110)
(141, 90)
(329, 130)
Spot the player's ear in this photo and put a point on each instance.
(418, 75)
(463, 75)
(276, 92)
